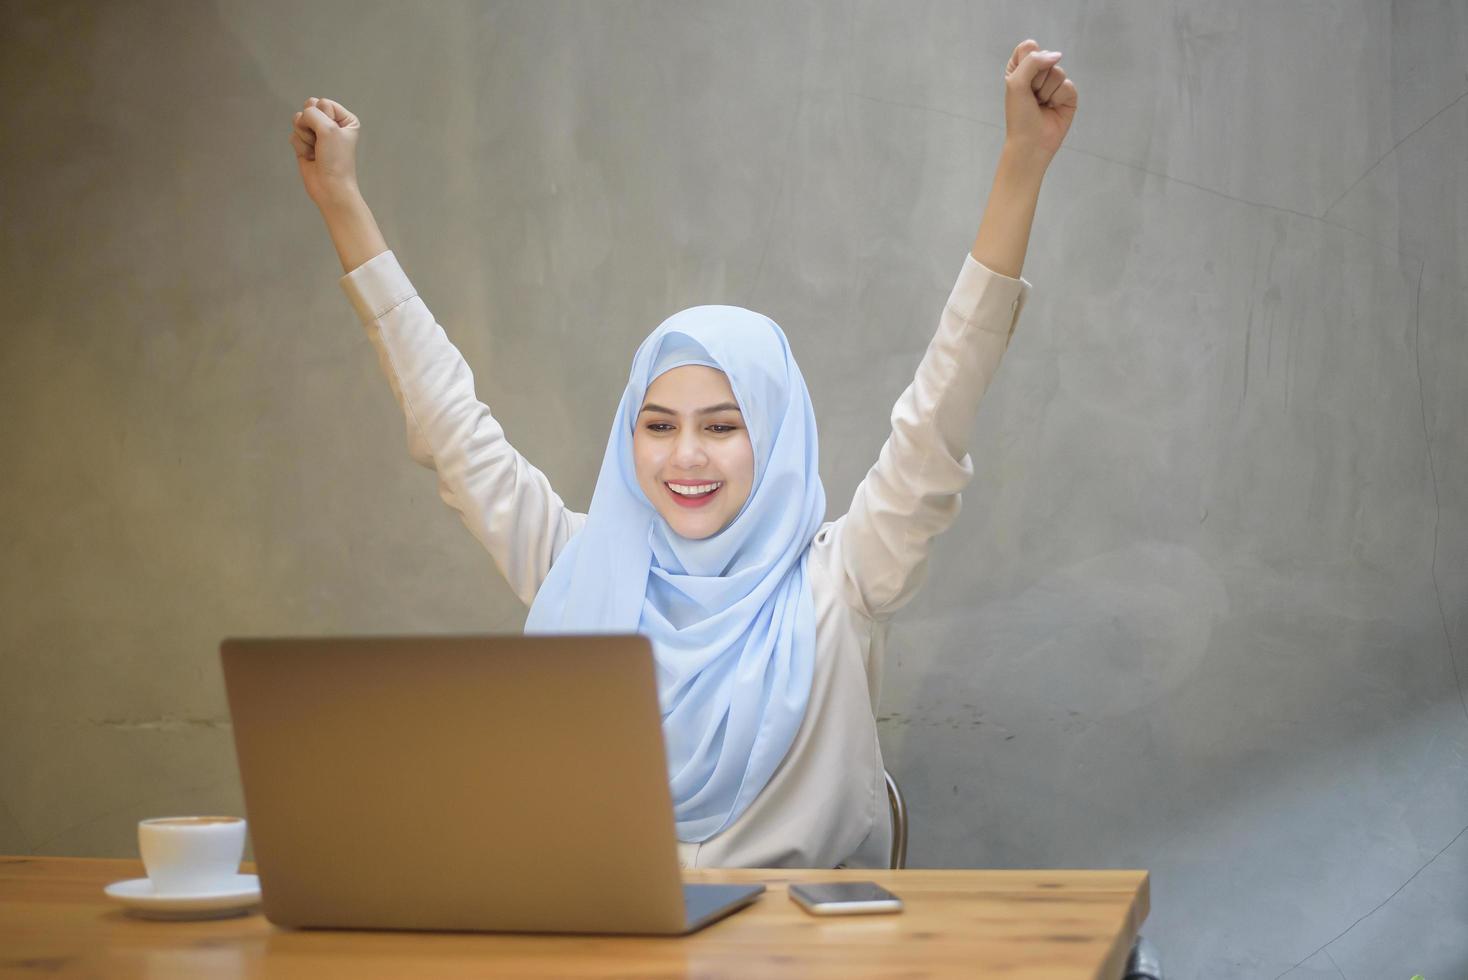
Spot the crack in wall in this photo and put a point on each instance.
(1442, 616)
(1389, 153)
(1067, 148)
(1379, 907)
(163, 724)
(1436, 504)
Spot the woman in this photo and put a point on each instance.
(705, 530)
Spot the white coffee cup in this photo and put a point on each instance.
(191, 854)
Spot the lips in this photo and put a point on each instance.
(691, 502)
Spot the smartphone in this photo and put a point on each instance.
(844, 898)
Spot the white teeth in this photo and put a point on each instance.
(694, 491)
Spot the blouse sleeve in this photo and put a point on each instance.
(504, 501)
(880, 547)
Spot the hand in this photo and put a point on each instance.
(325, 139)
(1039, 102)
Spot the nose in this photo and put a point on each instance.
(688, 451)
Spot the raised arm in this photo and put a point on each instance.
(505, 502)
(328, 166)
(1039, 104)
(879, 548)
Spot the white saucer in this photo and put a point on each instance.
(238, 895)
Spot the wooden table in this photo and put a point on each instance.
(55, 922)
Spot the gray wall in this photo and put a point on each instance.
(1204, 612)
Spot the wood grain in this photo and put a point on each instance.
(1033, 925)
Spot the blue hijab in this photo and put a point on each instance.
(730, 616)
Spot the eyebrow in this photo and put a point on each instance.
(721, 407)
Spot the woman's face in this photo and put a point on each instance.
(690, 434)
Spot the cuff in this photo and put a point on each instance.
(987, 299)
(376, 286)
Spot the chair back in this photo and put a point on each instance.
(1143, 964)
(899, 821)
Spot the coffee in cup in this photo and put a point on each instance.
(191, 854)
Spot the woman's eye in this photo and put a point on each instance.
(718, 427)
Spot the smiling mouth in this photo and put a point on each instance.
(694, 495)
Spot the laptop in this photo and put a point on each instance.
(501, 783)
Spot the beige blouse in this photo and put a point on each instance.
(826, 803)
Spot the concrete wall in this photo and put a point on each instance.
(1206, 609)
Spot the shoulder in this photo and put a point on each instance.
(823, 569)
(822, 545)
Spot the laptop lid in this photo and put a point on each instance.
(511, 782)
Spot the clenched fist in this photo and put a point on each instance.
(324, 135)
(1039, 101)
